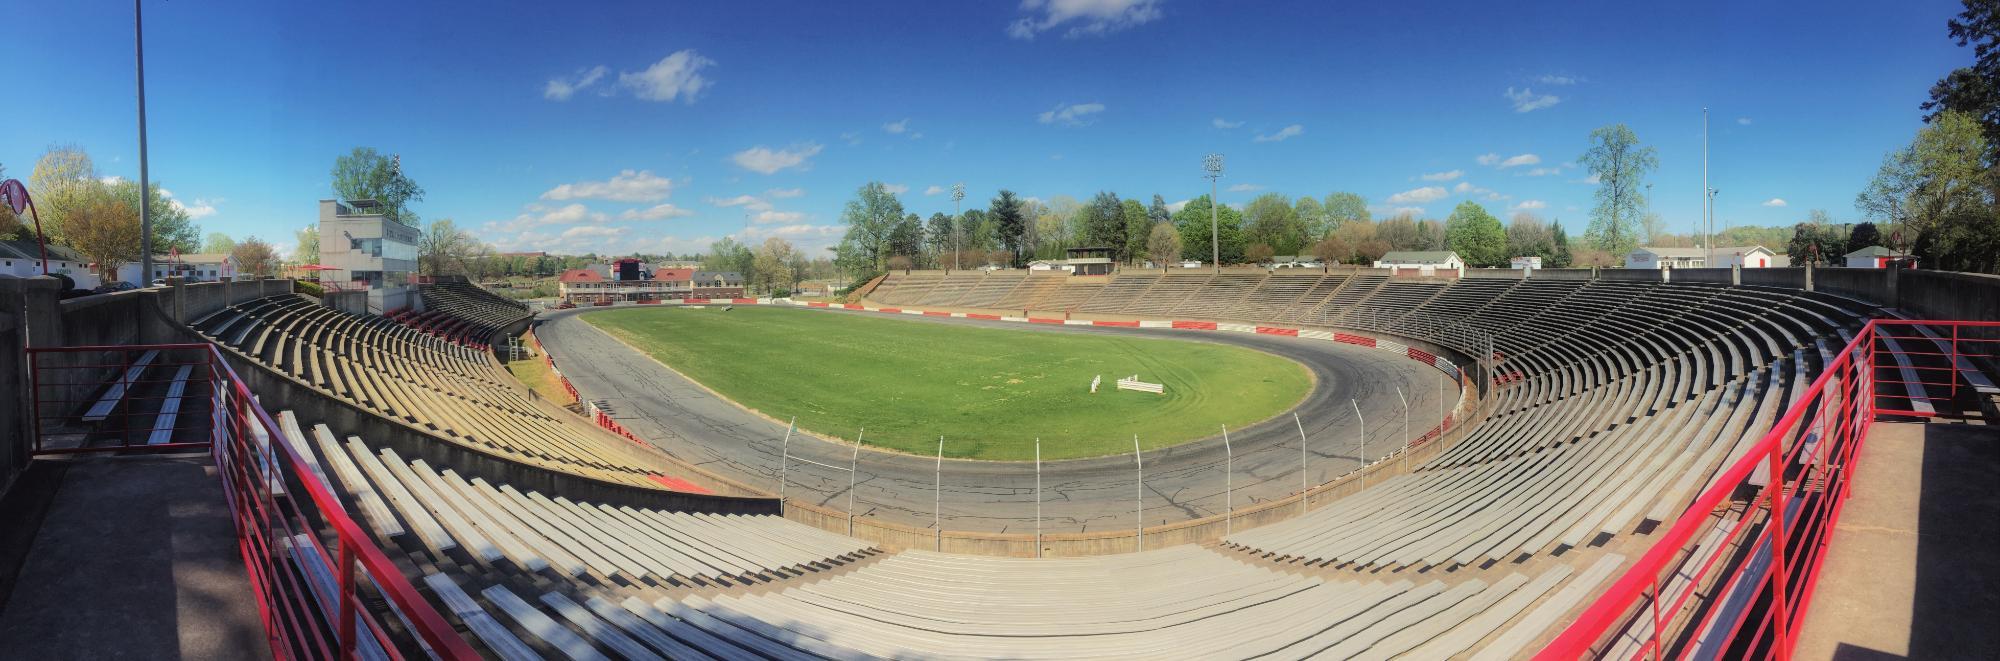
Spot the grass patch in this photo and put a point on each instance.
(989, 391)
(536, 375)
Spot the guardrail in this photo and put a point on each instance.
(1732, 580)
(312, 568)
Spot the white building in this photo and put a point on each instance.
(23, 259)
(193, 267)
(1749, 257)
(1878, 257)
(1527, 263)
(368, 251)
(1426, 262)
(1048, 265)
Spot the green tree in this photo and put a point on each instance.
(1939, 194)
(1138, 228)
(937, 235)
(1158, 212)
(1313, 216)
(1271, 220)
(173, 229)
(870, 216)
(775, 266)
(1528, 237)
(1343, 207)
(1815, 241)
(307, 250)
(1620, 165)
(444, 249)
(218, 243)
(63, 181)
(105, 228)
(366, 174)
(906, 237)
(1863, 235)
(1192, 221)
(1104, 222)
(1333, 249)
(1009, 222)
(1476, 235)
(1560, 257)
(1401, 233)
(1973, 90)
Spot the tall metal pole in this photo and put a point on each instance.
(1364, 431)
(853, 464)
(145, 185)
(786, 458)
(1141, 490)
(1213, 164)
(1406, 414)
(1228, 484)
(957, 194)
(1304, 481)
(1038, 496)
(1707, 224)
(937, 493)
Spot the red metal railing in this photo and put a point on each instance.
(120, 398)
(1730, 579)
(308, 561)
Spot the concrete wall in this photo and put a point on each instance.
(1790, 278)
(1564, 274)
(1869, 285)
(16, 427)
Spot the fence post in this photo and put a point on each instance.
(1406, 414)
(785, 461)
(1140, 491)
(1363, 456)
(1228, 485)
(1780, 606)
(1305, 481)
(937, 495)
(852, 465)
(347, 599)
(1038, 496)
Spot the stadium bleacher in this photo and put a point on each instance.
(462, 312)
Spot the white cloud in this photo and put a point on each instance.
(1775, 202)
(794, 230)
(656, 212)
(897, 127)
(1745, 121)
(1527, 100)
(770, 161)
(674, 76)
(1244, 188)
(560, 89)
(1553, 79)
(1224, 124)
(1531, 205)
(1543, 172)
(1423, 195)
(1070, 115)
(627, 186)
(785, 193)
(1084, 17)
(1177, 206)
(536, 215)
(197, 211)
(1488, 159)
(852, 138)
(746, 201)
(934, 189)
(1523, 159)
(1292, 131)
(768, 217)
(1592, 180)
(897, 189)
(1443, 176)
(1411, 211)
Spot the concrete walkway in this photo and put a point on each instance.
(136, 559)
(1914, 567)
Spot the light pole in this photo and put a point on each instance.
(1213, 165)
(1304, 480)
(1140, 491)
(852, 464)
(145, 187)
(786, 458)
(1038, 496)
(1406, 414)
(1364, 432)
(1707, 242)
(937, 492)
(957, 194)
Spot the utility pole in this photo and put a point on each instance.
(1228, 485)
(1213, 165)
(1038, 496)
(1707, 226)
(937, 491)
(957, 194)
(145, 186)
(1141, 490)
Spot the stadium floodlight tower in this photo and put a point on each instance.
(957, 196)
(1212, 164)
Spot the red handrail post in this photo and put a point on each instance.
(1949, 373)
(1780, 613)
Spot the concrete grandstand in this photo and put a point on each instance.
(1600, 476)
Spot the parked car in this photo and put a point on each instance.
(115, 287)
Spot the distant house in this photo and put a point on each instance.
(1295, 262)
(1528, 263)
(718, 284)
(191, 267)
(1749, 257)
(1089, 261)
(1048, 265)
(1425, 262)
(1878, 257)
(23, 259)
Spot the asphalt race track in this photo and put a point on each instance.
(1181, 482)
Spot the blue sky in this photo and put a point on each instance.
(568, 127)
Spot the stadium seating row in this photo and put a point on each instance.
(461, 312)
(456, 393)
